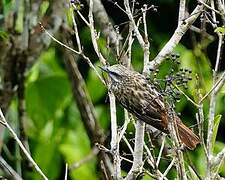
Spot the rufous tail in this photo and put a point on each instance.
(187, 136)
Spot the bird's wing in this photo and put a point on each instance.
(147, 108)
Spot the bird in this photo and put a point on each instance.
(143, 99)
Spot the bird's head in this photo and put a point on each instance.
(117, 72)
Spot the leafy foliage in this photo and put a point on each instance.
(53, 125)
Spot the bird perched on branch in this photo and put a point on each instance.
(141, 98)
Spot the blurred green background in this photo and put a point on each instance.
(53, 125)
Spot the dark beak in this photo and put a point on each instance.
(104, 68)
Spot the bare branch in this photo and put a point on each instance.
(216, 87)
(175, 39)
(160, 151)
(182, 11)
(146, 42)
(221, 8)
(168, 168)
(135, 28)
(115, 138)
(86, 109)
(2, 118)
(94, 35)
(66, 172)
(211, 116)
(76, 32)
(219, 159)
(104, 22)
(89, 157)
(9, 170)
(138, 151)
(76, 52)
(209, 7)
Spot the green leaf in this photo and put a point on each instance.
(43, 8)
(102, 115)
(192, 173)
(199, 161)
(20, 18)
(47, 156)
(220, 30)
(50, 63)
(200, 65)
(147, 177)
(3, 35)
(219, 146)
(215, 128)
(95, 87)
(46, 98)
(75, 147)
(8, 5)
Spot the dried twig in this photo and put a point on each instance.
(182, 11)
(22, 146)
(138, 151)
(9, 170)
(211, 117)
(168, 168)
(114, 139)
(176, 37)
(89, 157)
(140, 126)
(66, 172)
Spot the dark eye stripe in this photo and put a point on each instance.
(114, 73)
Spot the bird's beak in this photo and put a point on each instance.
(104, 68)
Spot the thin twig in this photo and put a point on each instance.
(219, 159)
(182, 11)
(150, 157)
(147, 44)
(130, 16)
(160, 151)
(9, 170)
(168, 169)
(222, 78)
(128, 144)
(125, 159)
(82, 17)
(138, 151)
(176, 37)
(173, 129)
(114, 139)
(22, 146)
(93, 34)
(126, 122)
(188, 98)
(117, 5)
(213, 12)
(211, 115)
(209, 7)
(89, 157)
(76, 31)
(200, 121)
(56, 40)
(66, 172)
(76, 52)
(104, 170)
